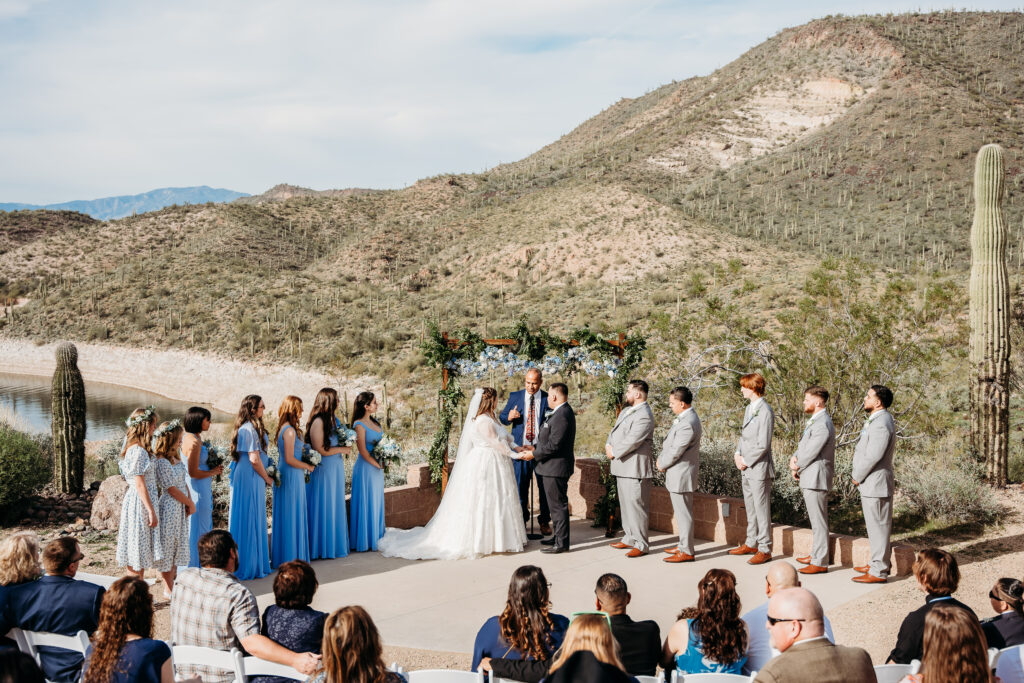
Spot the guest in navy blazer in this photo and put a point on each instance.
(56, 603)
(516, 413)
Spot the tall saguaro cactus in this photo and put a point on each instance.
(68, 402)
(990, 318)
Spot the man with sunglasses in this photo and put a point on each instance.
(797, 627)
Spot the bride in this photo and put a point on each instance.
(479, 513)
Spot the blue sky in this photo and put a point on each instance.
(117, 97)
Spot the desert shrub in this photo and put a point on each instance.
(24, 466)
(952, 492)
(105, 461)
(717, 474)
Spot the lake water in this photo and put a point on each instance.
(106, 405)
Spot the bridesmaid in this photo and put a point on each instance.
(328, 523)
(290, 540)
(247, 520)
(197, 421)
(175, 505)
(136, 532)
(367, 514)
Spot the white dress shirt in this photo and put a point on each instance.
(537, 417)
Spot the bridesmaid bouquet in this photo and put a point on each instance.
(346, 435)
(310, 457)
(388, 453)
(213, 457)
(273, 472)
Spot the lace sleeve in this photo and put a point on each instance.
(487, 432)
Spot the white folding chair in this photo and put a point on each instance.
(444, 676)
(1010, 664)
(205, 656)
(254, 666)
(660, 678)
(30, 642)
(711, 678)
(893, 673)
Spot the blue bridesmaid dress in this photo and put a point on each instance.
(290, 537)
(367, 514)
(328, 522)
(201, 520)
(247, 520)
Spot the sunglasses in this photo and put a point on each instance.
(580, 614)
(772, 620)
(993, 596)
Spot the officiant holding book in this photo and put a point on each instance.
(524, 412)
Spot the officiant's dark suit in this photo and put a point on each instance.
(556, 460)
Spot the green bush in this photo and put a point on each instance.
(717, 474)
(24, 466)
(952, 492)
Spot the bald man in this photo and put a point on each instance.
(796, 623)
(781, 576)
(525, 412)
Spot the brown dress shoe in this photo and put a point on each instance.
(636, 552)
(679, 557)
(546, 529)
(804, 560)
(672, 551)
(863, 570)
(743, 549)
(760, 558)
(620, 545)
(812, 569)
(868, 578)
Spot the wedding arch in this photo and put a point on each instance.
(470, 355)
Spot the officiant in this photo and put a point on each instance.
(525, 413)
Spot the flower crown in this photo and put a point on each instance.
(144, 418)
(164, 429)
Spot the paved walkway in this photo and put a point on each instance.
(439, 605)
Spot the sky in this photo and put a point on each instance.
(112, 97)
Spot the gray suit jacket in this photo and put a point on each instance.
(632, 442)
(680, 453)
(872, 459)
(755, 445)
(818, 661)
(816, 453)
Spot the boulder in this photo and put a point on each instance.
(106, 507)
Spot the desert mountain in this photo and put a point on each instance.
(109, 208)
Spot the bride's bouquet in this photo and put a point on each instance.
(310, 457)
(213, 457)
(346, 435)
(273, 472)
(388, 453)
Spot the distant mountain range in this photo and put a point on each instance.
(119, 207)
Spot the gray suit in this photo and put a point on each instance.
(872, 469)
(815, 461)
(755, 447)
(632, 442)
(680, 458)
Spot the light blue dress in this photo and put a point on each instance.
(247, 520)
(290, 538)
(201, 520)
(693, 660)
(328, 521)
(367, 514)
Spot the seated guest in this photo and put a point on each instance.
(1007, 628)
(18, 667)
(782, 575)
(937, 576)
(290, 621)
(639, 641)
(352, 650)
(797, 626)
(210, 608)
(123, 650)
(526, 628)
(56, 603)
(588, 634)
(954, 648)
(716, 640)
(19, 559)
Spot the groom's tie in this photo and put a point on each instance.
(530, 416)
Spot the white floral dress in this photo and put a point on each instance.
(135, 538)
(172, 544)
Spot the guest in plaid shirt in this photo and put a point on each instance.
(210, 608)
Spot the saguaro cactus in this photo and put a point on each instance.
(68, 401)
(990, 318)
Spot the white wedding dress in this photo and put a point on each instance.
(479, 513)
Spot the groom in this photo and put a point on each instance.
(556, 459)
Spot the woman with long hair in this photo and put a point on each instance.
(1006, 629)
(589, 633)
(123, 649)
(715, 641)
(19, 559)
(175, 505)
(526, 628)
(247, 518)
(351, 649)
(325, 495)
(290, 540)
(195, 454)
(366, 524)
(954, 648)
(136, 532)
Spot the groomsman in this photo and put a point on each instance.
(679, 460)
(872, 474)
(630, 447)
(813, 466)
(525, 411)
(753, 459)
